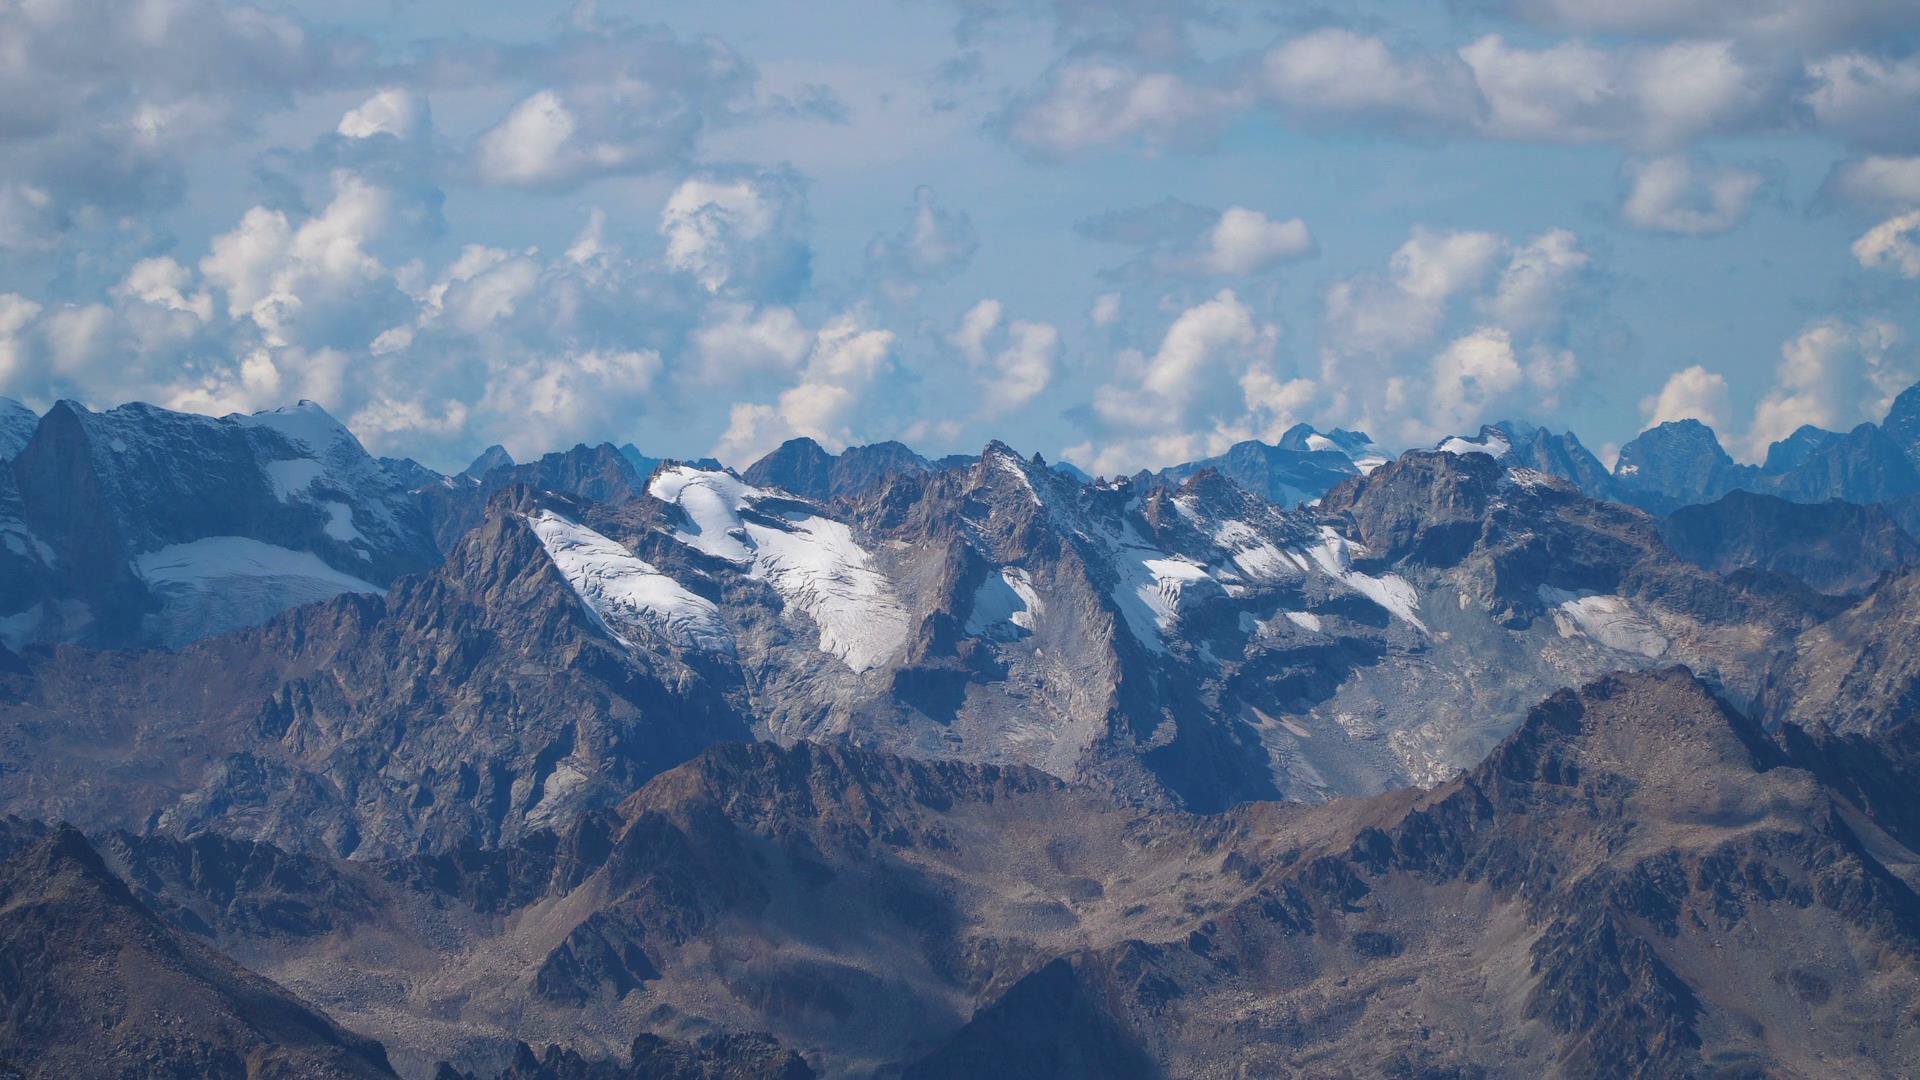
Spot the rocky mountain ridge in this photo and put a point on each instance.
(1193, 647)
(866, 764)
(1638, 881)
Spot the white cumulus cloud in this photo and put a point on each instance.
(1894, 244)
(1677, 195)
(740, 232)
(1692, 393)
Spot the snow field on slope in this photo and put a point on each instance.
(221, 583)
(1005, 599)
(1609, 620)
(624, 591)
(1334, 554)
(813, 563)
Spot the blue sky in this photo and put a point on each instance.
(1123, 233)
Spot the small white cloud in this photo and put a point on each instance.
(531, 145)
(1656, 95)
(554, 397)
(1403, 310)
(163, 282)
(1652, 95)
(1894, 244)
(739, 342)
(1865, 97)
(1016, 372)
(976, 326)
(1383, 366)
(738, 232)
(16, 314)
(1470, 374)
(1210, 383)
(591, 241)
(1878, 180)
(1333, 72)
(1677, 195)
(306, 283)
(1833, 375)
(846, 360)
(615, 101)
(934, 244)
(1532, 291)
(387, 420)
(1179, 239)
(394, 111)
(1692, 393)
(1105, 310)
(1797, 23)
(1087, 103)
(1246, 241)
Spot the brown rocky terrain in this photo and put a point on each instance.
(1637, 882)
(92, 984)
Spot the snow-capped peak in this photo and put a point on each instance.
(306, 425)
(1491, 441)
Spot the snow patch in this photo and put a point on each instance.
(340, 524)
(221, 583)
(292, 477)
(813, 562)
(1609, 620)
(1256, 556)
(1529, 479)
(1334, 554)
(19, 629)
(216, 557)
(1488, 442)
(1003, 600)
(305, 425)
(624, 592)
(1009, 465)
(712, 502)
(1150, 589)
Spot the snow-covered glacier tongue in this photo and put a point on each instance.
(813, 562)
(624, 592)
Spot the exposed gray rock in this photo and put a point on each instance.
(802, 467)
(1835, 547)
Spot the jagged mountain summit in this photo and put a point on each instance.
(1194, 647)
(284, 507)
(1833, 546)
(1303, 466)
(1524, 446)
(1681, 463)
(142, 526)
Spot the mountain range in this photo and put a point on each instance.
(1305, 759)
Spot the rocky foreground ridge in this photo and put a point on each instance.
(1639, 881)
